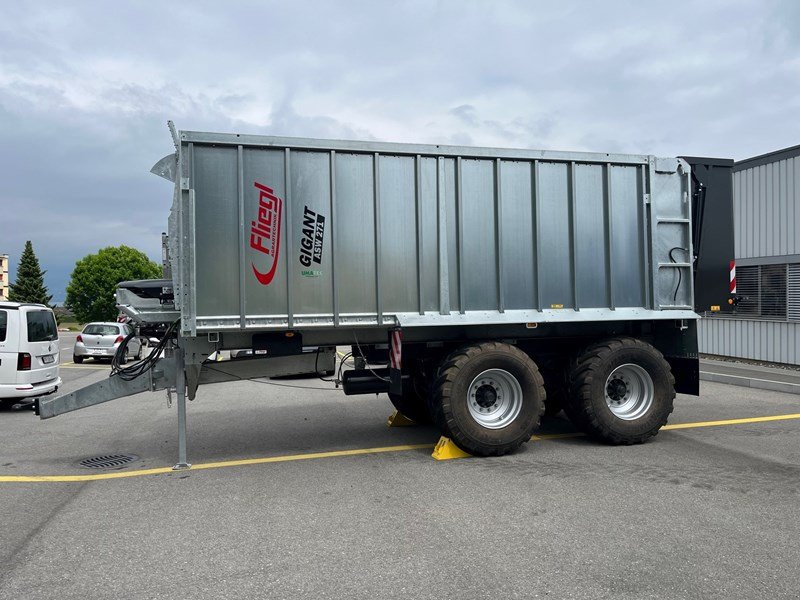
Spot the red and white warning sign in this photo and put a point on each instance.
(395, 351)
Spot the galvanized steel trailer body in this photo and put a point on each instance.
(413, 236)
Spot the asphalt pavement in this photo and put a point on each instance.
(707, 511)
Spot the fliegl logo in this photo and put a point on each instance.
(265, 233)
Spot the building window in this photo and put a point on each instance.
(773, 291)
(769, 291)
(747, 286)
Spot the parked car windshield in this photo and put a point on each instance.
(101, 330)
(41, 326)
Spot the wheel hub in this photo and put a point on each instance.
(486, 396)
(616, 390)
(629, 392)
(494, 398)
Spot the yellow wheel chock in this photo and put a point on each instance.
(447, 450)
(398, 419)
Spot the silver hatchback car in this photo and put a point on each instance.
(101, 340)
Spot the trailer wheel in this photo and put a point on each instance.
(488, 398)
(621, 391)
(413, 403)
(554, 403)
(411, 406)
(556, 388)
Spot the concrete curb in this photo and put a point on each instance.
(751, 382)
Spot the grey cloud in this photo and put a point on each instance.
(465, 112)
(285, 119)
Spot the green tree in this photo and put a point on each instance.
(29, 286)
(90, 293)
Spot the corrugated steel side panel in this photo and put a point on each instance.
(275, 232)
(771, 341)
(765, 208)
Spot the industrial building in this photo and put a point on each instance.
(765, 324)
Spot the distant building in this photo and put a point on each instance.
(3, 277)
(766, 221)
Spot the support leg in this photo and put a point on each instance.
(180, 390)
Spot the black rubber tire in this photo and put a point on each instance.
(77, 359)
(587, 407)
(449, 398)
(412, 406)
(556, 387)
(414, 402)
(556, 398)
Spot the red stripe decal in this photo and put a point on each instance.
(395, 352)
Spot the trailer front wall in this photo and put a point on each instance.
(272, 234)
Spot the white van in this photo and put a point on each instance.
(28, 350)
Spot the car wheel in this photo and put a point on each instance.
(77, 359)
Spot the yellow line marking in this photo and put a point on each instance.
(337, 453)
(211, 465)
(732, 421)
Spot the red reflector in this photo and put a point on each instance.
(119, 339)
(79, 338)
(23, 361)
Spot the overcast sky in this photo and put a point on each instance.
(86, 89)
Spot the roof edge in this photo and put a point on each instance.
(769, 157)
(709, 160)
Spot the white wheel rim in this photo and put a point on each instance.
(629, 392)
(494, 399)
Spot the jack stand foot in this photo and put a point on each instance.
(28, 403)
(398, 419)
(182, 467)
(447, 450)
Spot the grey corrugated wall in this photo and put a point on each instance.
(771, 341)
(766, 213)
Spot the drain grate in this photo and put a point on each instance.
(108, 461)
